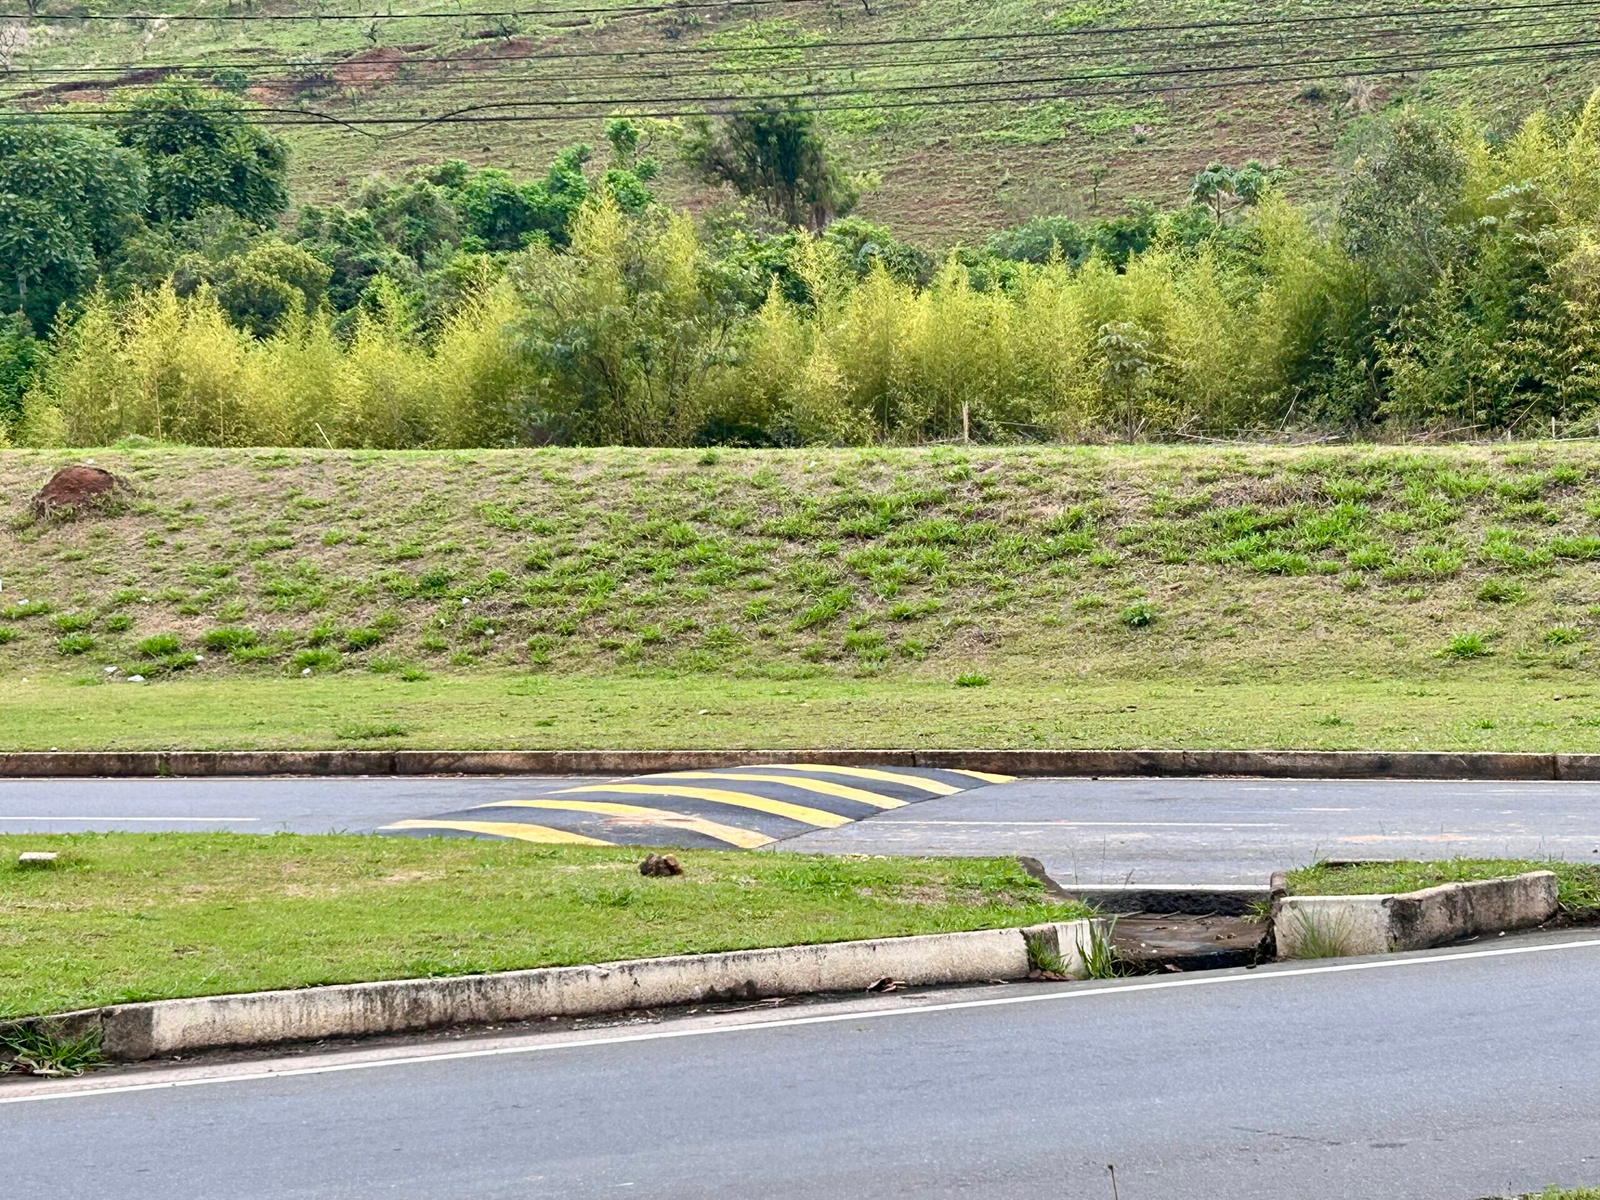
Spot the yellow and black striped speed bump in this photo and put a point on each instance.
(747, 807)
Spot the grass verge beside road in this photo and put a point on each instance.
(1580, 882)
(1024, 705)
(126, 917)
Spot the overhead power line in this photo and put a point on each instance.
(618, 10)
(685, 6)
(488, 114)
(470, 66)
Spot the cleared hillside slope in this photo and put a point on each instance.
(1357, 596)
(973, 115)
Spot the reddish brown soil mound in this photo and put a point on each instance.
(75, 487)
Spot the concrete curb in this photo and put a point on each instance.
(1377, 924)
(131, 1032)
(1278, 764)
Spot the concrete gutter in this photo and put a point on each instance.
(1174, 899)
(1329, 926)
(1275, 764)
(131, 1032)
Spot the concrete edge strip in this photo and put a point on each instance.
(1278, 764)
(132, 1032)
(1320, 926)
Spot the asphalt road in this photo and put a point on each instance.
(1445, 1076)
(1230, 831)
(274, 805)
(1085, 831)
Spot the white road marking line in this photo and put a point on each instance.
(233, 820)
(1097, 824)
(1200, 979)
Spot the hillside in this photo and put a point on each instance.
(973, 116)
(1290, 595)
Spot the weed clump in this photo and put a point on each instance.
(1138, 616)
(75, 643)
(226, 638)
(1467, 645)
(159, 645)
(35, 1050)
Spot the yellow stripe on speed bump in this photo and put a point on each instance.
(821, 787)
(986, 776)
(748, 839)
(933, 786)
(506, 829)
(778, 808)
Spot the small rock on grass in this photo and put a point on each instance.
(36, 858)
(660, 864)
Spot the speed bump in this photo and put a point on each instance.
(742, 807)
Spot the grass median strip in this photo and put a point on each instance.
(127, 917)
(1580, 882)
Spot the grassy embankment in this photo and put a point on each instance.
(1345, 598)
(1580, 882)
(949, 171)
(124, 917)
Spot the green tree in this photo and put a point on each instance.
(260, 289)
(1127, 361)
(505, 215)
(67, 196)
(417, 217)
(201, 153)
(1219, 184)
(21, 354)
(776, 154)
(349, 243)
(1397, 212)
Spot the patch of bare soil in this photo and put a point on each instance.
(76, 488)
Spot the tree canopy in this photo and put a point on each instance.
(201, 152)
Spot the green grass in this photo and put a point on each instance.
(26, 1051)
(127, 917)
(1580, 882)
(1024, 709)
